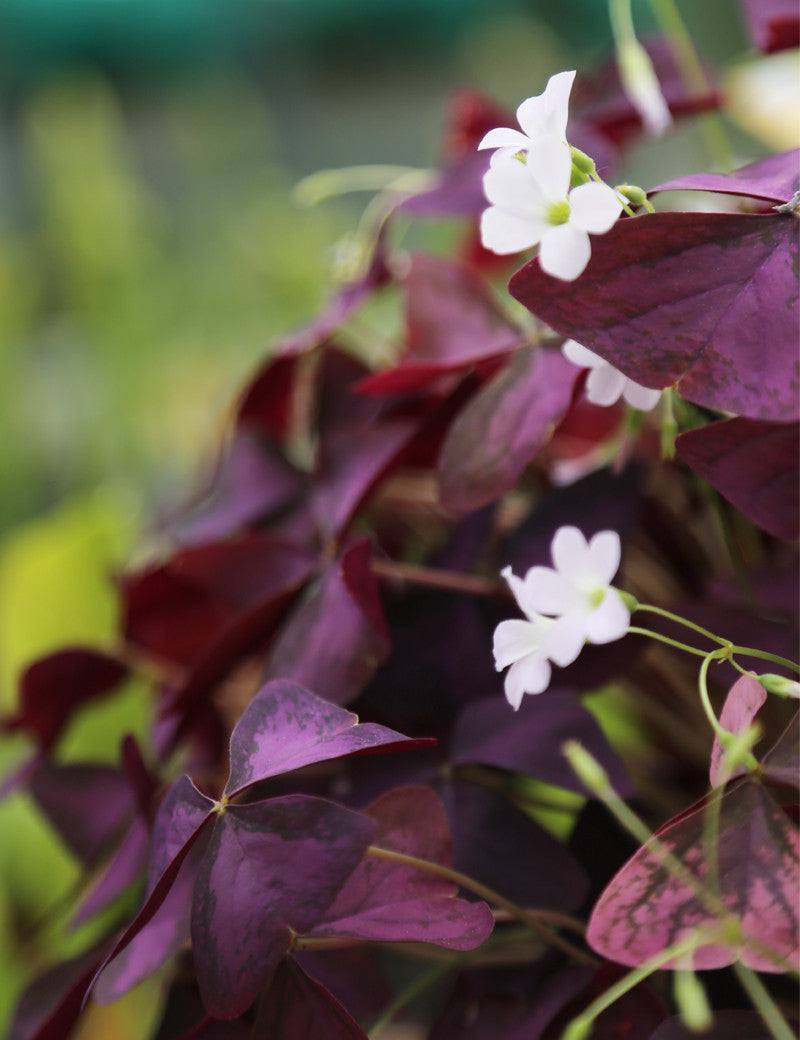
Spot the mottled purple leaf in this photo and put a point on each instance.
(334, 640)
(754, 464)
(687, 298)
(271, 869)
(393, 902)
(489, 732)
(285, 727)
(452, 321)
(782, 762)
(180, 814)
(298, 1007)
(774, 179)
(743, 1025)
(53, 687)
(742, 704)
(774, 25)
(541, 872)
(645, 908)
(502, 428)
(50, 1006)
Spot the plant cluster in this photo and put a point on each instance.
(339, 820)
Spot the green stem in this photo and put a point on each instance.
(682, 621)
(636, 631)
(705, 700)
(763, 1003)
(748, 651)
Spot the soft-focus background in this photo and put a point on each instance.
(150, 252)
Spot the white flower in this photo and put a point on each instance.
(605, 384)
(578, 587)
(532, 205)
(542, 116)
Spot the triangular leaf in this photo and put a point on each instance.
(744, 700)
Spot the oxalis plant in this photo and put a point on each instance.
(474, 707)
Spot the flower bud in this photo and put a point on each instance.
(581, 161)
(780, 685)
(640, 83)
(635, 195)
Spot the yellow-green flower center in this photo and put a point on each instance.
(558, 212)
(597, 596)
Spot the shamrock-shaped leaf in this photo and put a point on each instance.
(745, 699)
(774, 179)
(754, 464)
(646, 908)
(688, 298)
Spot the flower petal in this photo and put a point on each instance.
(505, 137)
(547, 112)
(514, 640)
(548, 592)
(530, 675)
(508, 183)
(521, 591)
(605, 552)
(569, 551)
(580, 355)
(610, 621)
(640, 397)
(564, 252)
(503, 232)
(564, 640)
(550, 165)
(594, 207)
(604, 385)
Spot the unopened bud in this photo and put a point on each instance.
(631, 602)
(635, 195)
(581, 161)
(780, 685)
(586, 767)
(640, 83)
(692, 1002)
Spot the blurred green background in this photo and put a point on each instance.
(149, 254)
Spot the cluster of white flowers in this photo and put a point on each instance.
(566, 606)
(528, 186)
(606, 384)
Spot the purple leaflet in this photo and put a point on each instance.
(687, 298)
(285, 727)
(336, 637)
(53, 687)
(744, 1025)
(529, 740)
(645, 908)
(185, 1017)
(123, 869)
(354, 975)
(774, 25)
(745, 699)
(754, 464)
(298, 1007)
(457, 192)
(782, 762)
(271, 869)
(503, 427)
(452, 321)
(393, 902)
(774, 179)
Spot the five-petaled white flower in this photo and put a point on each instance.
(577, 592)
(542, 116)
(532, 205)
(605, 384)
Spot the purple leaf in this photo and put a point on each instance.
(502, 427)
(51, 1005)
(298, 1007)
(457, 191)
(744, 700)
(645, 908)
(334, 640)
(687, 298)
(53, 687)
(529, 740)
(774, 25)
(754, 464)
(285, 727)
(394, 902)
(287, 857)
(181, 814)
(774, 179)
(782, 762)
(123, 869)
(744, 1025)
(453, 321)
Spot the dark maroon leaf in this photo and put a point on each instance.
(502, 428)
(744, 1025)
(645, 908)
(53, 687)
(633, 1016)
(774, 25)
(687, 298)
(742, 704)
(267, 405)
(354, 975)
(287, 857)
(298, 1007)
(774, 179)
(285, 727)
(457, 190)
(393, 902)
(50, 1006)
(529, 740)
(754, 464)
(185, 1017)
(88, 805)
(541, 872)
(782, 762)
(452, 321)
(334, 639)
